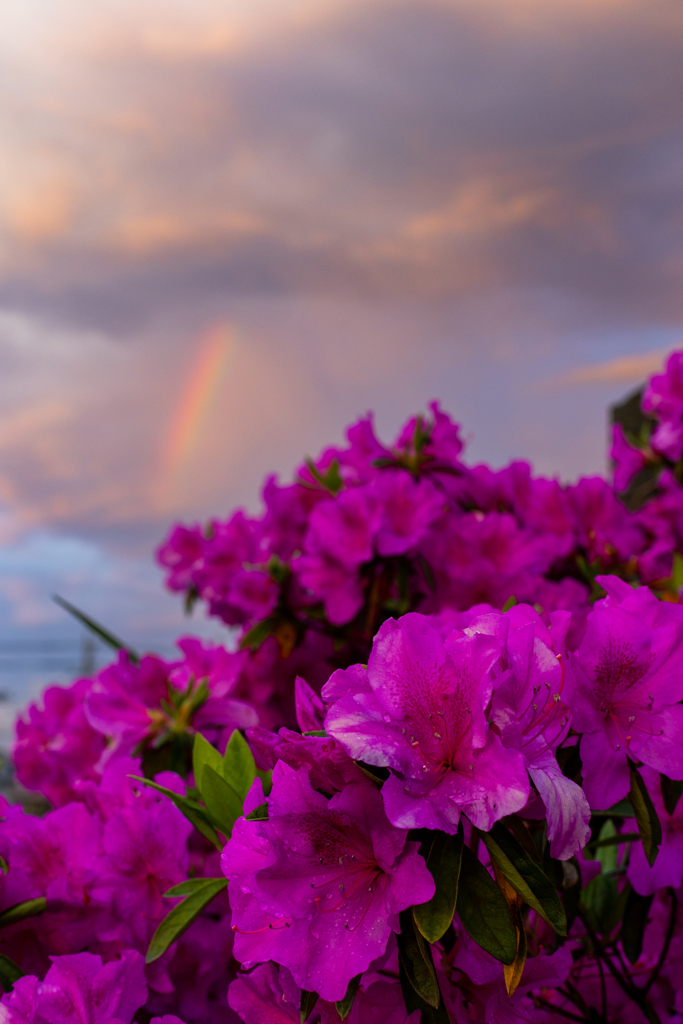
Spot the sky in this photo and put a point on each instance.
(231, 227)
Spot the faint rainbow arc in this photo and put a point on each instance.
(193, 410)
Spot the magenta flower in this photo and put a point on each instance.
(79, 989)
(408, 510)
(145, 853)
(485, 558)
(310, 710)
(344, 527)
(627, 460)
(663, 398)
(182, 553)
(319, 885)
(473, 987)
(131, 704)
(330, 767)
(332, 582)
(420, 710)
(267, 995)
(626, 687)
(56, 745)
(529, 715)
(603, 527)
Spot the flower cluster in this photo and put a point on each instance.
(435, 777)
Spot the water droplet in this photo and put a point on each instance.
(315, 935)
(387, 718)
(245, 888)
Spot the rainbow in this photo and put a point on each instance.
(192, 411)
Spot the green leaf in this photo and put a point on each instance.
(194, 812)
(428, 1014)
(344, 1005)
(222, 802)
(510, 603)
(443, 860)
(416, 958)
(100, 631)
(677, 570)
(606, 853)
(633, 924)
(317, 732)
(615, 840)
(571, 890)
(189, 886)
(600, 898)
(513, 972)
(374, 772)
(203, 754)
(259, 813)
(622, 809)
(671, 792)
(307, 1004)
(239, 768)
(9, 973)
(646, 816)
(331, 480)
(182, 916)
(260, 632)
(20, 911)
(525, 876)
(483, 910)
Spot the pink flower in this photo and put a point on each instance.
(420, 710)
(625, 690)
(320, 876)
(79, 989)
(56, 745)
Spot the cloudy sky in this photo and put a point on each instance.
(227, 228)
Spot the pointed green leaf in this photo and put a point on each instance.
(20, 911)
(513, 972)
(600, 899)
(671, 790)
(677, 570)
(203, 754)
(259, 813)
(189, 886)
(416, 958)
(622, 809)
(428, 1014)
(260, 632)
(525, 876)
(182, 916)
(9, 973)
(633, 924)
(344, 1005)
(193, 811)
(100, 631)
(239, 768)
(571, 889)
(646, 816)
(222, 802)
(443, 860)
(510, 603)
(307, 1004)
(483, 910)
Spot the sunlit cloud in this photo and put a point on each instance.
(632, 369)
